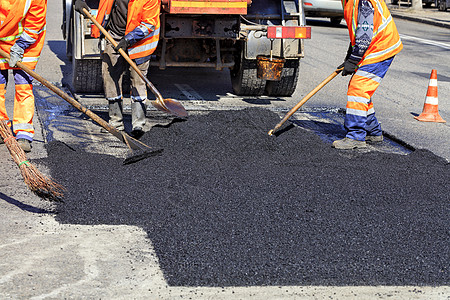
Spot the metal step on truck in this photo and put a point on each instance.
(259, 41)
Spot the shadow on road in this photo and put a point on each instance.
(24, 206)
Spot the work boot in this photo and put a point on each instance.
(138, 110)
(348, 143)
(137, 132)
(372, 139)
(24, 144)
(115, 114)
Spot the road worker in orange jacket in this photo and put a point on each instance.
(22, 33)
(374, 41)
(134, 24)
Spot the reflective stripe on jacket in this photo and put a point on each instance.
(385, 42)
(141, 13)
(26, 19)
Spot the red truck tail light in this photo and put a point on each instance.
(288, 32)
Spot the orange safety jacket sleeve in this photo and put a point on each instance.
(144, 14)
(33, 25)
(143, 26)
(23, 22)
(147, 25)
(385, 42)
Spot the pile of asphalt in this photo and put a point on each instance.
(227, 205)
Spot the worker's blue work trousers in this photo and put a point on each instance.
(360, 117)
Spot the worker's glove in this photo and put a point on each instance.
(79, 5)
(123, 44)
(15, 55)
(349, 66)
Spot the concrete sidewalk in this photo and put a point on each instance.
(431, 16)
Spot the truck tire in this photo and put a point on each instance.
(288, 82)
(87, 75)
(244, 79)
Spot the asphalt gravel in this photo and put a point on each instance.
(227, 205)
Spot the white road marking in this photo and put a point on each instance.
(190, 93)
(424, 41)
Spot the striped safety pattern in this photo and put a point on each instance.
(143, 15)
(430, 112)
(27, 20)
(360, 117)
(23, 103)
(386, 41)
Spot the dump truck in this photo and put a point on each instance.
(259, 41)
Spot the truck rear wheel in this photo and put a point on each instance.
(244, 78)
(288, 82)
(87, 75)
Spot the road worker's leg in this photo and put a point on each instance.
(360, 115)
(23, 106)
(138, 98)
(113, 67)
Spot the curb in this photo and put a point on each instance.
(419, 19)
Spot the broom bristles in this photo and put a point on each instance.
(37, 182)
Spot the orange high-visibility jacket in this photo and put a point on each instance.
(140, 13)
(385, 41)
(26, 18)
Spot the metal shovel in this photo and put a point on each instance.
(170, 106)
(303, 101)
(138, 149)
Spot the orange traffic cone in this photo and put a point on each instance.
(430, 108)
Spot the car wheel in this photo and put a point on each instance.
(442, 5)
(335, 20)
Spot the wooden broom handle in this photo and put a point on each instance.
(303, 101)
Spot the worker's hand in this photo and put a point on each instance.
(123, 44)
(350, 67)
(79, 5)
(15, 55)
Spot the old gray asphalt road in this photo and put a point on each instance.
(41, 259)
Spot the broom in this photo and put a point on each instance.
(37, 182)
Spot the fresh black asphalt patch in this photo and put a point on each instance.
(227, 205)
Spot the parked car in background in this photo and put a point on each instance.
(324, 8)
(443, 4)
(426, 3)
